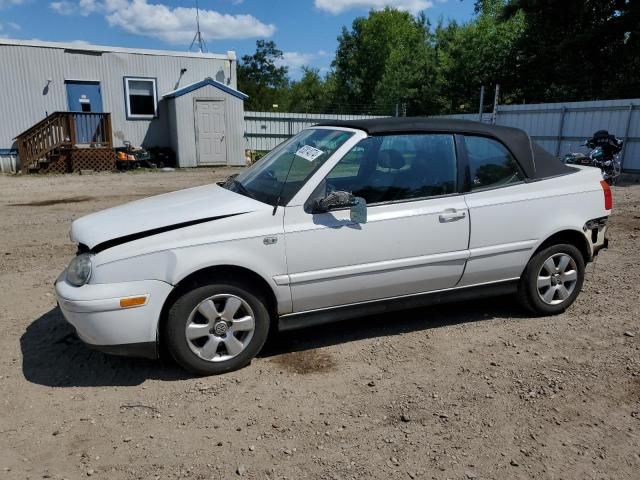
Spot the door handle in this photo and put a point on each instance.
(452, 215)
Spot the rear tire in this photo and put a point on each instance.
(217, 328)
(552, 280)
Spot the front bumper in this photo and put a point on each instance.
(95, 312)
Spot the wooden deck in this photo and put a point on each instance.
(66, 142)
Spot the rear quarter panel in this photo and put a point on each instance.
(508, 224)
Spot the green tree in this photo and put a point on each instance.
(309, 93)
(578, 49)
(480, 52)
(263, 77)
(383, 60)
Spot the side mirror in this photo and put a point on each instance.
(338, 200)
(358, 212)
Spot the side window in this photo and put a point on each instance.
(397, 167)
(141, 97)
(490, 163)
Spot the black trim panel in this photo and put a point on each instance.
(604, 246)
(320, 317)
(139, 350)
(155, 231)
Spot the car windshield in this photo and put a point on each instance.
(277, 177)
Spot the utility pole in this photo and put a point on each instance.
(481, 103)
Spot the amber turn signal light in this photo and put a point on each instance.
(130, 302)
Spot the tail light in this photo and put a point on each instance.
(608, 199)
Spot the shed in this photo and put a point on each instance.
(75, 97)
(206, 124)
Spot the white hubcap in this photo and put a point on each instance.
(220, 327)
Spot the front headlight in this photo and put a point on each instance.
(79, 270)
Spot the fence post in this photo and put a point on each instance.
(481, 102)
(495, 104)
(626, 136)
(560, 128)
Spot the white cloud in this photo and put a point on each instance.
(63, 8)
(10, 3)
(338, 6)
(11, 25)
(172, 24)
(88, 6)
(177, 25)
(296, 60)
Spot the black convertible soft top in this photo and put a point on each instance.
(535, 161)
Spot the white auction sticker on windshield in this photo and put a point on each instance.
(309, 153)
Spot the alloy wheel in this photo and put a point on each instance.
(557, 279)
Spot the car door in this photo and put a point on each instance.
(416, 236)
(503, 216)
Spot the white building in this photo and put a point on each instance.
(153, 98)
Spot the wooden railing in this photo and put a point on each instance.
(63, 129)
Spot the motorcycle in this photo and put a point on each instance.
(605, 149)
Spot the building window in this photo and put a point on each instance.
(141, 97)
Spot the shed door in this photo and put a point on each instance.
(210, 132)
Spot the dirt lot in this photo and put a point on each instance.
(477, 390)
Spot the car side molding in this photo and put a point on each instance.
(294, 321)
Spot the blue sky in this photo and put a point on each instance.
(306, 30)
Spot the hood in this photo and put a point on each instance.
(159, 214)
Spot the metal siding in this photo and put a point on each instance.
(237, 143)
(581, 120)
(8, 162)
(632, 152)
(25, 70)
(173, 128)
(266, 130)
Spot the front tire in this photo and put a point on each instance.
(217, 328)
(552, 280)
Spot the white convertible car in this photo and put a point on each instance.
(342, 220)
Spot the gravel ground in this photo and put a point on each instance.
(473, 390)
